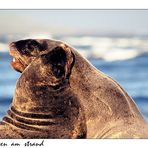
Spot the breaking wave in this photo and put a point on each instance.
(109, 49)
(131, 74)
(105, 48)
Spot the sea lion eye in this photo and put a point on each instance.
(33, 45)
(28, 47)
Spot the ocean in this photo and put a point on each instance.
(125, 59)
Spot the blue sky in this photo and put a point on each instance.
(59, 22)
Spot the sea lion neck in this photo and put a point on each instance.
(41, 99)
(57, 112)
(99, 92)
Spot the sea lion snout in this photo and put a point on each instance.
(23, 52)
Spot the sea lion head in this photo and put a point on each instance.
(54, 58)
(44, 87)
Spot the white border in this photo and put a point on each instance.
(78, 4)
(73, 4)
(89, 143)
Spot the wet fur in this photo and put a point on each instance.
(87, 104)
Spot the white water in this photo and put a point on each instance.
(106, 48)
(109, 49)
(132, 74)
(3, 47)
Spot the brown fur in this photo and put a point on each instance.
(81, 102)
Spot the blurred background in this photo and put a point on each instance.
(114, 41)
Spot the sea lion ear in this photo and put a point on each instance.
(59, 59)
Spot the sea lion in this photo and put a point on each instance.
(61, 95)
